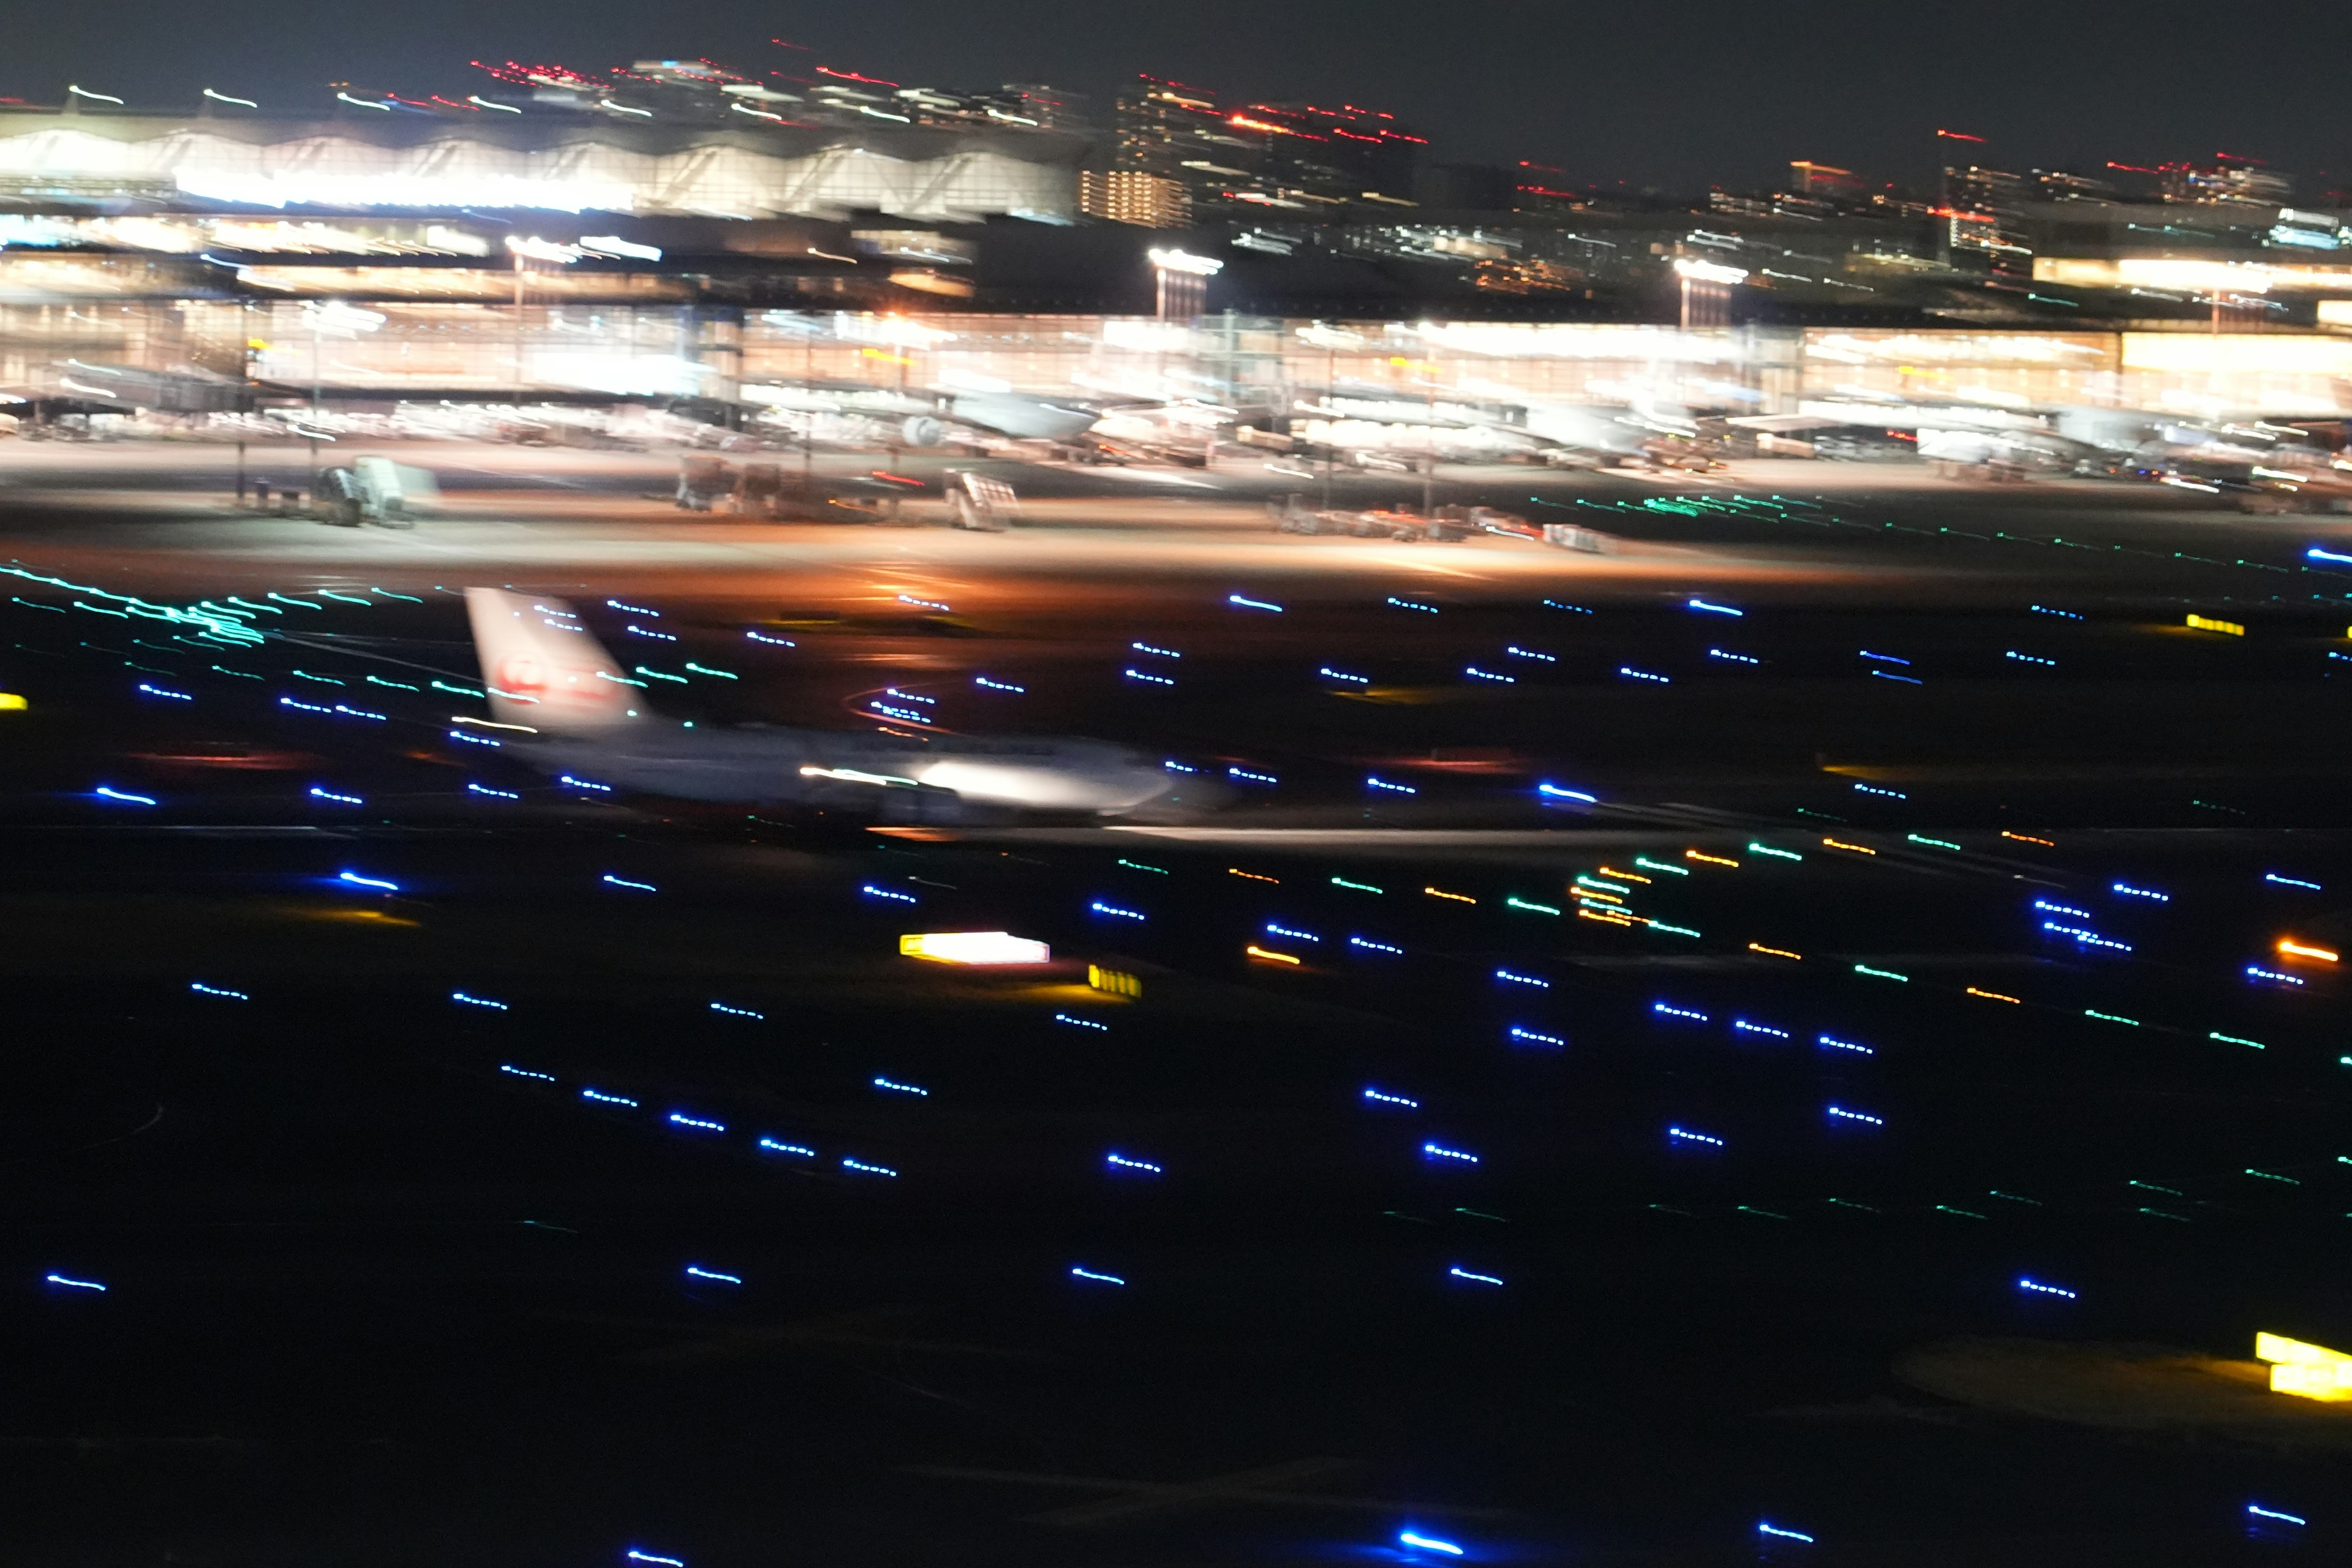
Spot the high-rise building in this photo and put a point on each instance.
(1134, 197)
(2226, 181)
(1983, 218)
(1234, 159)
(1807, 178)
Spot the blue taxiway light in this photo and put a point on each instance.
(1240, 603)
(123, 796)
(695, 1271)
(355, 879)
(479, 1002)
(200, 987)
(73, 1283)
(1077, 1273)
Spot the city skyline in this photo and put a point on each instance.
(1730, 103)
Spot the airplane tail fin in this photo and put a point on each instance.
(544, 669)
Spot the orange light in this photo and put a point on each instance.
(1457, 898)
(1993, 997)
(1608, 917)
(1710, 860)
(1775, 952)
(1255, 952)
(1612, 871)
(1237, 871)
(2296, 950)
(1857, 848)
(1584, 897)
(2027, 838)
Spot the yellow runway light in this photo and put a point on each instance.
(1457, 898)
(1271, 956)
(1252, 875)
(1857, 848)
(1629, 876)
(2208, 624)
(2297, 950)
(1710, 860)
(1774, 951)
(2027, 838)
(1994, 997)
(1608, 917)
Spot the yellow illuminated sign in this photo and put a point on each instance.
(2208, 624)
(2305, 1371)
(12, 702)
(1113, 981)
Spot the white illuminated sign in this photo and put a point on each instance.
(978, 947)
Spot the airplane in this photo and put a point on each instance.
(573, 711)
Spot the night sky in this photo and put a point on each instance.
(1683, 96)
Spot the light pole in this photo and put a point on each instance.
(1708, 284)
(1182, 280)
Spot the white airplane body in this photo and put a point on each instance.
(546, 674)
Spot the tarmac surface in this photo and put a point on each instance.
(1778, 1029)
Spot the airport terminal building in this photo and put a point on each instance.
(225, 264)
